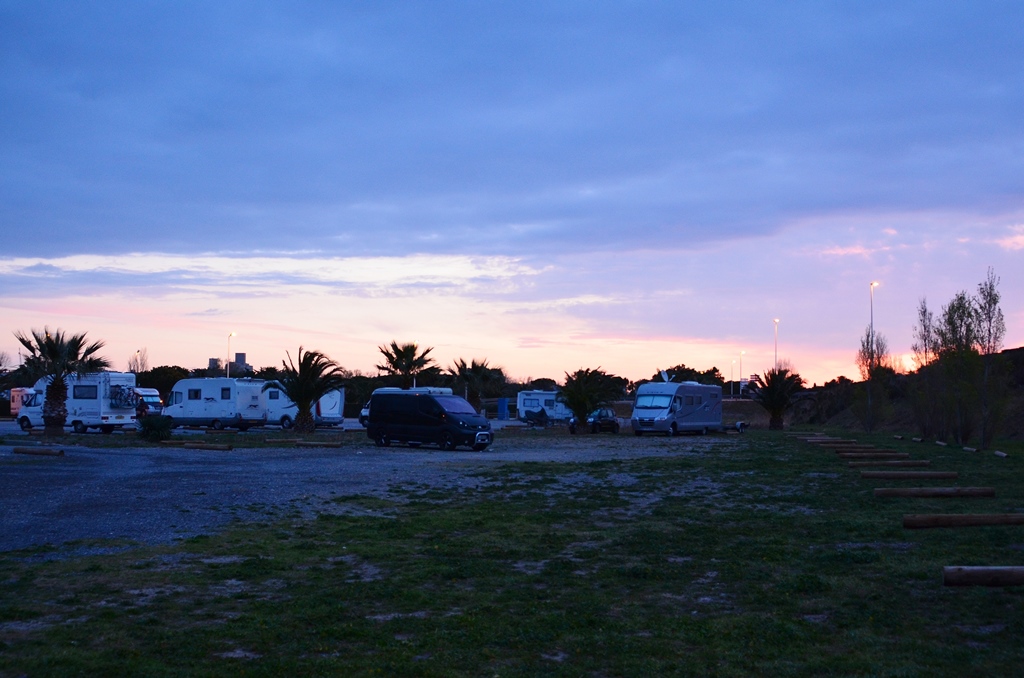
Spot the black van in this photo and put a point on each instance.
(420, 416)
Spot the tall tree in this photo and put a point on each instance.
(57, 356)
(775, 392)
(991, 328)
(957, 342)
(876, 366)
(925, 387)
(311, 379)
(405, 362)
(586, 390)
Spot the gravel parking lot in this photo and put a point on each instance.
(156, 495)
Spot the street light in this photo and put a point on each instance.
(227, 365)
(776, 344)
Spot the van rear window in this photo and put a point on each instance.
(85, 392)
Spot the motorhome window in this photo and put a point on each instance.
(531, 402)
(689, 400)
(225, 393)
(195, 394)
(274, 395)
(85, 392)
(714, 396)
(549, 403)
(455, 405)
(697, 400)
(653, 401)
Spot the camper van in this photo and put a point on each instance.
(534, 401)
(432, 416)
(671, 408)
(217, 402)
(19, 395)
(103, 400)
(328, 411)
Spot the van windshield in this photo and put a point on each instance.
(656, 401)
(455, 405)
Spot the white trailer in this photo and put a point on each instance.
(103, 400)
(672, 408)
(328, 411)
(534, 401)
(217, 402)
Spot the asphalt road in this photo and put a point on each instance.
(156, 495)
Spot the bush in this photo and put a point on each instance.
(154, 429)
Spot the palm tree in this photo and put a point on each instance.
(775, 391)
(478, 379)
(587, 390)
(57, 356)
(315, 376)
(405, 361)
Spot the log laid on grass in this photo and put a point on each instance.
(920, 521)
(910, 475)
(40, 451)
(283, 441)
(173, 442)
(935, 492)
(207, 446)
(889, 462)
(313, 443)
(957, 575)
(222, 431)
(874, 455)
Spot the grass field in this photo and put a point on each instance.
(733, 555)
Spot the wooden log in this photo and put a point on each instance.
(939, 442)
(886, 462)
(207, 446)
(970, 449)
(40, 451)
(1000, 454)
(918, 440)
(223, 431)
(283, 441)
(874, 455)
(957, 575)
(897, 437)
(910, 475)
(935, 492)
(173, 442)
(313, 443)
(920, 521)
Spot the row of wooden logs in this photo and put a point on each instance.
(860, 455)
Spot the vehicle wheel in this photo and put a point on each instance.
(704, 431)
(286, 422)
(447, 441)
(637, 433)
(25, 424)
(615, 429)
(595, 428)
(79, 427)
(480, 447)
(382, 441)
(217, 425)
(170, 422)
(108, 429)
(673, 431)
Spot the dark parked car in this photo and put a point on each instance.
(603, 419)
(419, 416)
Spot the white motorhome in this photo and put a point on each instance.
(103, 400)
(151, 397)
(217, 402)
(671, 408)
(19, 395)
(534, 401)
(328, 411)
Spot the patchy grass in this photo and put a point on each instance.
(743, 555)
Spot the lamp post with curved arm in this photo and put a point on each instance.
(227, 365)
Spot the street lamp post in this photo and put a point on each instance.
(776, 344)
(227, 365)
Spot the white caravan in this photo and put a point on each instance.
(671, 408)
(217, 402)
(20, 395)
(535, 401)
(328, 411)
(151, 397)
(103, 400)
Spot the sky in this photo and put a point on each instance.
(545, 185)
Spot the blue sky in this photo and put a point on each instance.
(547, 185)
